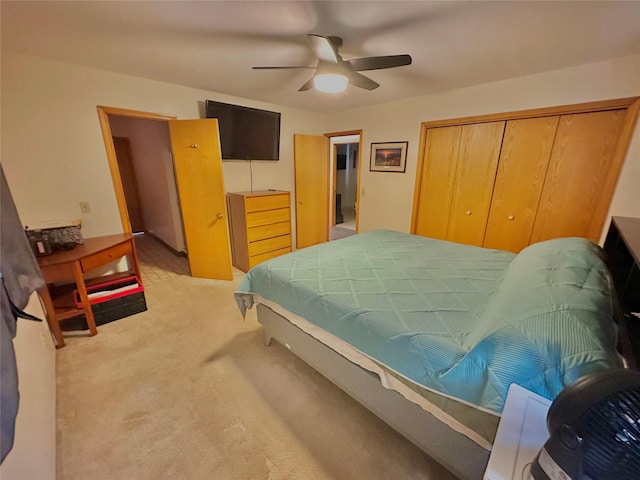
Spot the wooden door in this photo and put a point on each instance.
(129, 182)
(198, 168)
(311, 164)
(434, 190)
(475, 175)
(581, 176)
(524, 157)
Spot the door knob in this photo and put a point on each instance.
(511, 217)
(219, 216)
(468, 212)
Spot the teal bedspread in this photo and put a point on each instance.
(461, 320)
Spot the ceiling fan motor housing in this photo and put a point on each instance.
(329, 61)
(595, 429)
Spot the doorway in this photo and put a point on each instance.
(175, 208)
(315, 172)
(143, 152)
(345, 161)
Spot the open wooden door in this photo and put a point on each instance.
(311, 164)
(198, 169)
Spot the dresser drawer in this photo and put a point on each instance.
(264, 246)
(268, 202)
(256, 259)
(267, 217)
(105, 256)
(268, 231)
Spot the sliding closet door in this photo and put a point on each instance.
(475, 175)
(581, 176)
(435, 189)
(524, 158)
(555, 175)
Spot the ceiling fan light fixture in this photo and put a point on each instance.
(333, 73)
(330, 82)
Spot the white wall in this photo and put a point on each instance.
(52, 149)
(387, 199)
(53, 137)
(33, 456)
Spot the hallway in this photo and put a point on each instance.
(158, 262)
(347, 227)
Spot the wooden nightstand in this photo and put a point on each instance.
(71, 265)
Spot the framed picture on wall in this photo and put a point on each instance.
(388, 157)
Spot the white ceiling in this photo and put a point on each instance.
(212, 45)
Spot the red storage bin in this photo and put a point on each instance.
(122, 297)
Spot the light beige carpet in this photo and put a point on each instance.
(188, 391)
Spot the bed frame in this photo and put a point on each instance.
(462, 456)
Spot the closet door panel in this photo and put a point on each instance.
(438, 180)
(475, 175)
(579, 171)
(524, 157)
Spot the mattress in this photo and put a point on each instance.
(460, 321)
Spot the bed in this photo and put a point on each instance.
(429, 334)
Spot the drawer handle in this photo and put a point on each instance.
(219, 216)
(511, 217)
(468, 212)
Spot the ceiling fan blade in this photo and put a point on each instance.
(282, 68)
(307, 86)
(378, 63)
(323, 48)
(359, 80)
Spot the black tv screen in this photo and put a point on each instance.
(246, 133)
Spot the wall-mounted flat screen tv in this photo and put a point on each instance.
(246, 133)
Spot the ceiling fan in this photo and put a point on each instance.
(333, 72)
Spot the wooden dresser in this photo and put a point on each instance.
(260, 224)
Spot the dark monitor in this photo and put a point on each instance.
(246, 133)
